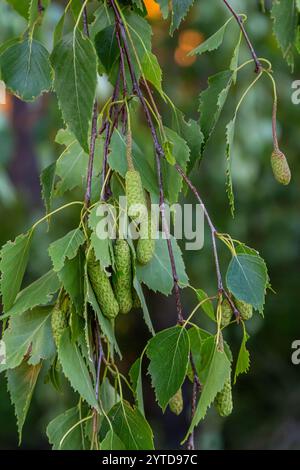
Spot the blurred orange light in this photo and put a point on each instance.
(182, 59)
(189, 39)
(153, 9)
(6, 107)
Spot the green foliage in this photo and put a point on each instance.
(247, 279)
(40, 292)
(29, 334)
(26, 69)
(212, 43)
(74, 64)
(168, 352)
(65, 247)
(212, 101)
(214, 371)
(14, 258)
(64, 433)
(75, 305)
(157, 275)
(21, 383)
(75, 369)
(285, 23)
(129, 425)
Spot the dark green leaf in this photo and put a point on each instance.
(179, 12)
(75, 369)
(75, 65)
(212, 101)
(26, 69)
(30, 332)
(130, 426)
(214, 371)
(99, 215)
(213, 42)
(135, 374)
(40, 292)
(22, 7)
(14, 258)
(72, 164)
(21, 383)
(107, 47)
(285, 18)
(112, 442)
(72, 278)
(59, 435)
(168, 352)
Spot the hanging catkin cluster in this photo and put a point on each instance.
(114, 294)
(60, 317)
(137, 209)
(223, 400)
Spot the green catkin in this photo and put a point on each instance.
(122, 280)
(146, 243)
(135, 194)
(223, 400)
(136, 303)
(226, 313)
(176, 403)
(102, 287)
(59, 318)
(246, 310)
(280, 167)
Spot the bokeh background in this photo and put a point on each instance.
(267, 401)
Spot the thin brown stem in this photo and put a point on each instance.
(159, 153)
(40, 7)
(258, 66)
(88, 192)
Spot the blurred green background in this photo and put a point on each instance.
(267, 401)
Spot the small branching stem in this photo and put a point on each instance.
(159, 153)
(258, 66)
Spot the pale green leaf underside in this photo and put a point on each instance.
(30, 330)
(247, 279)
(157, 275)
(213, 42)
(65, 247)
(40, 292)
(75, 369)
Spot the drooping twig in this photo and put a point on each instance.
(93, 138)
(109, 127)
(214, 232)
(196, 390)
(40, 7)
(159, 153)
(99, 360)
(88, 192)
(258, 66)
